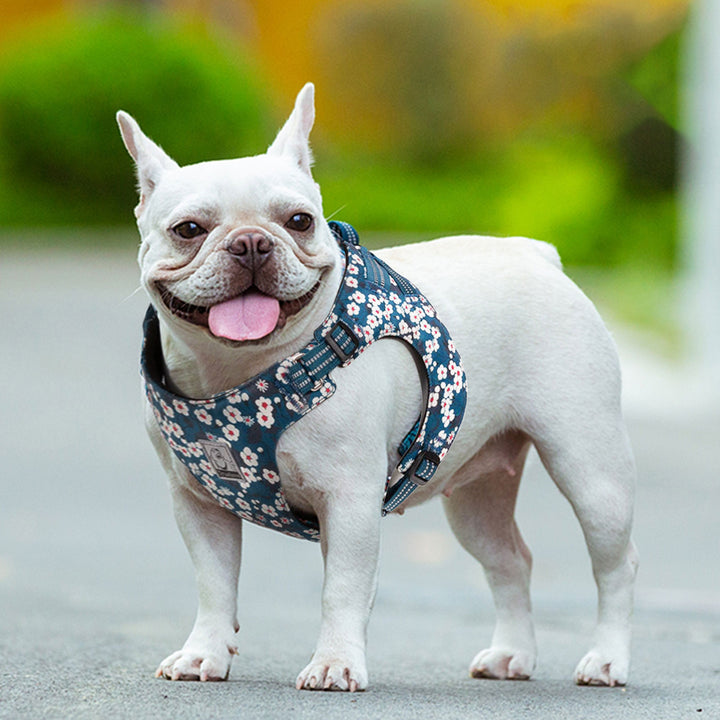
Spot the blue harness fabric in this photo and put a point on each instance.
(228, 442)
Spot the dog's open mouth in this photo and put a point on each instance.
(249, 316)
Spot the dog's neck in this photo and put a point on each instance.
(198, 365)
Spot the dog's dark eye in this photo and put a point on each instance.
(189, 230)
(300, 222)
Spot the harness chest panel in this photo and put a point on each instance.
(228, 442)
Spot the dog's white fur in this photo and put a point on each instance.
(541, 370)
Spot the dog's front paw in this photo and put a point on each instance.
(503, 664)
(325, 672)
(598, 668)
(195, 662)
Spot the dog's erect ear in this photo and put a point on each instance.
(293, 140)
(151, 161)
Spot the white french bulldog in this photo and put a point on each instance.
(242, 268)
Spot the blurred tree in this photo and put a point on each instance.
(61, 85)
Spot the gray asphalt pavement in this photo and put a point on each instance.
(96, 587)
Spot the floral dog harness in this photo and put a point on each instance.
(228, 441)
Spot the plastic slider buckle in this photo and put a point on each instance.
(422, 456)
(338, 338)
(301, 380)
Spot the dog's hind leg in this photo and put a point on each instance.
(481, 514)
(593, 466)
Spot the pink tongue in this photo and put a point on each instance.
(248, 317)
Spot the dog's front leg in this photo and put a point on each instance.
(350, 529)
(213, 537)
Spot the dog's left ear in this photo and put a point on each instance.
(293, 140)
(150, 159)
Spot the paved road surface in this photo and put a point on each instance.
(96, 587)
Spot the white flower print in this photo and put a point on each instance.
(181, 407)
(351, 282)
(448, 417)
(249, 457)
(271, 476)
(167, 409)
(242, 504)
(441, 372)
(232, 414)
(352, 269)
(358, 297)
(262, 385)
(269, 510)
(231, 432)
(264, 414)
(203, 416)
(353, 309)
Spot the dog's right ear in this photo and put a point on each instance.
(150, 159)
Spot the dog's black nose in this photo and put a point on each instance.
(251, 249)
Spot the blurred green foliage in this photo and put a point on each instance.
(61, 157)
(474, 125)
(570, 139)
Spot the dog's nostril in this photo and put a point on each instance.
(264, 245)
(253, 247)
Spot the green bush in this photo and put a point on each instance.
(61, 156)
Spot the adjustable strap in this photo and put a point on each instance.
(345, 232)
(335, 349)
(419, 473)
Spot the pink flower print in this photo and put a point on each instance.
(249, 457)
(231, 432)
(264, 414)
(181, 407)
(203, 416)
